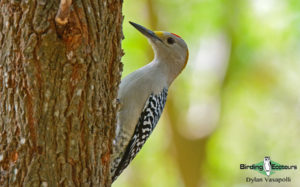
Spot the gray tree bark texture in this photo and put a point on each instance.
(58, 87)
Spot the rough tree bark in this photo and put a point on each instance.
(58, 85)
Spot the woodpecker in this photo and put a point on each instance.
(142, 96)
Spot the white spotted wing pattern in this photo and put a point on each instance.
(146, 124)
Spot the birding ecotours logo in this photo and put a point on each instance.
(268, 167)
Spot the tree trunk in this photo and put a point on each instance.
(58, 87)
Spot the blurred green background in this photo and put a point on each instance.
(237, 100)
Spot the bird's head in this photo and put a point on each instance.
(168, 47)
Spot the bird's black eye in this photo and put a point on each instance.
(170, 40)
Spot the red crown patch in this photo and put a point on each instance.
(176, 35)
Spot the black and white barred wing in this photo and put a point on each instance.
(147, 122)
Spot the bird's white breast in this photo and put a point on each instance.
(134, 91)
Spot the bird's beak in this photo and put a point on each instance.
(148, 33)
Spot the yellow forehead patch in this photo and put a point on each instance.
(159, 33)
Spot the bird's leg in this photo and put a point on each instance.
(63, 13)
